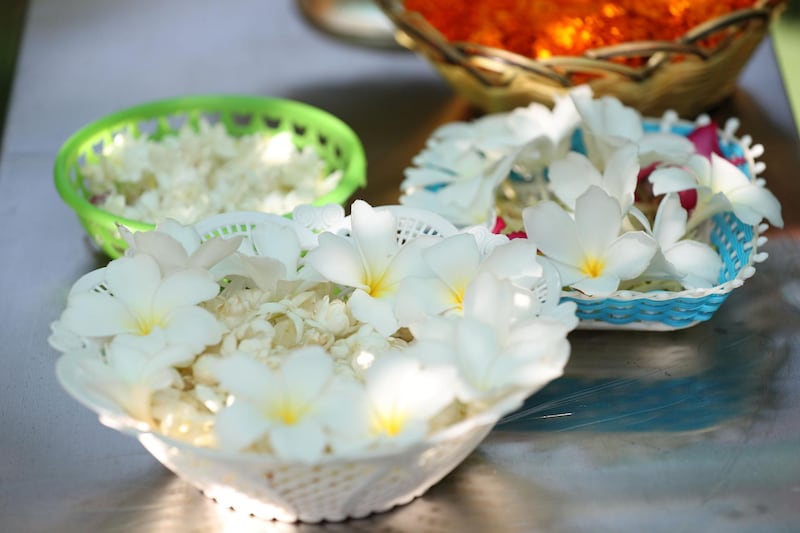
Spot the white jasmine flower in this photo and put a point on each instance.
(692, 263)
(284, 405)
(571, 176)
(721, 186)
(140, 300)
(371, 261)
(589, 252)
(198, 173)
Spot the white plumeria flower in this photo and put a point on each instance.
(571, 176)
(140, 300)
(608, 124)
(545, 134)
(176, 247)
(537, 119)
(454, 262)
(589, 252)
(465, 202)
(721, 186)
(694, 264)
(131, 372)
(446, 162)
(401, 397)
(497, 347)
(490, 134)
(372, 262)
(284, 405)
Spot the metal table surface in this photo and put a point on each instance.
(696, 430)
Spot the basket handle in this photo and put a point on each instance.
(422, 32)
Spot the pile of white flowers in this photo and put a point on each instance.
(610, 201)
(201, 172)
(349, 345)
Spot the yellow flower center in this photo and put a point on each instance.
(593, 266)
(390, 423)
(287, 412)
(377, 288)
(145, 325)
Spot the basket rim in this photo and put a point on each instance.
(353, 177)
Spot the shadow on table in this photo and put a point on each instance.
(688, 380)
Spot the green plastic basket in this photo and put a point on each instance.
(334, 141)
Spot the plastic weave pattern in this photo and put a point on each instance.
(736, 243)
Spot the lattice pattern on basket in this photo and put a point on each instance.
(331, 139)
(330, 490)
(411, 223)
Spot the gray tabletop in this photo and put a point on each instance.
(696, 430)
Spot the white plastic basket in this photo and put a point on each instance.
(332, 488)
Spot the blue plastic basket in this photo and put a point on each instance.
(737, 244)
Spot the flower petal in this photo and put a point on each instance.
(377, 313)
(278, 242)
(553, 231)
(418, 298)
(375, 235)
(184, 288)
(245, 376)
(602, 285)
(670, 223)
(515, 260)
(338, 260)
(752, 203)
(193, 326)
(239, 426)
(169, 253)
(134, 280)
(213, 251)
(490, 301)
(454, 260)
(671, 179)
(598, 219)
(664, 146)
(621, 173)
(93, 314)
(700, 264)
(571, 176)
(629, 255)
(306, 372)
(725, 176)
(303, 441)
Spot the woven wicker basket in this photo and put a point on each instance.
(682, 75)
